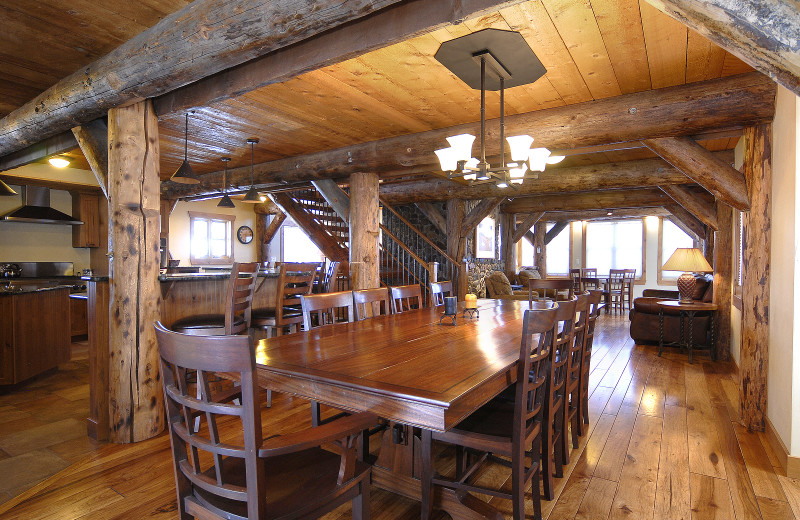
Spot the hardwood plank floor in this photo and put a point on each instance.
(664, 443)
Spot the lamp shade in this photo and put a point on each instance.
(447, 159)
(687, 259)
(462, 146)
(225, 202)
(537, 157)
(520, 146)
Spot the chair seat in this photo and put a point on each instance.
(261, 317)
(297, 483)
(203, 324)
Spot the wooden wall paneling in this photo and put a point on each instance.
(704, 59)
(39, 348)
(628, 54)
(98, 305)
(723, 278)
(135, 396)
(508, 247)
(92, 138)
(457, 242)
(769, 46)
(693, 203)
(756, 241)
(6, 341)
(364, 231)
(665, 40)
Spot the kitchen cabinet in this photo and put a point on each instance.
(34, 333)
(86, 207)
(78, 314)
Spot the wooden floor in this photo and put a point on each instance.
(664, 443)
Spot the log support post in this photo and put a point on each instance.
(539, 255)
(456, 243)
(364, 230)
(756, 241)
(136, 406)
(723, 278)
(508, 247)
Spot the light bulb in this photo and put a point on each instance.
(59, 161)
(520, 145)
(462, 146)
(502, 185)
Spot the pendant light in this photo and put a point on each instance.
(225, 201)
(251, 197)
(185, 174)
(5, 190)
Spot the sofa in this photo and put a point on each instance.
(644, 315)
(498, 286)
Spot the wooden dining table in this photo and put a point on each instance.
(419, 375)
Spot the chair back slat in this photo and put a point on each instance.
(296, 279)
(533, 368)
(439, 290)
(616, 279)
(581, 321)
(575, 276)
(327, 307)
(406, 297)
(377, 299)
(541, 286)
(200, 454)
(241, 286)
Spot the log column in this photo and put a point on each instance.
(539, 256)
(456, 244)
(508, 247)
(136, 406)
(756, 243)
(364, 230)
(723, 278)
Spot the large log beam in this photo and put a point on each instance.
(731, 102)
(610, 199)
(433, 214)
(508, 247)
(723, 279)
(763, 33)
(721, 179)
(688, 221)
(602, 214)
(364, 231)
(136, 407)
(756, 240)
(692, 202)
(478, 213)
(204, 38)
(457, 243)
(557, 228)
(377, 30)
(93, 140)
(526, 225)
(316, 233)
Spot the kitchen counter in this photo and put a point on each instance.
(186, 277)
(24, 288)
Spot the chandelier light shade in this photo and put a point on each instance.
(59, 161)
(5, 190)
(492, 59)
(225, 201)
(185, 174)
(252, 196)
(689, 260)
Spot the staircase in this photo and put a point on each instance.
(407, 256)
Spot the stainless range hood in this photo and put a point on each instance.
(36, 208)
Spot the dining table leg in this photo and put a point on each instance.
(399, 469)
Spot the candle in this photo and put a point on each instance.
(471, 301)
(450, 305)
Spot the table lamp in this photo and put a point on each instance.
(689, 260)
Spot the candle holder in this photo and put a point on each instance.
(450, 309)
(471, 306)
(473, 313)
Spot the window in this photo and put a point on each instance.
(211, 239)
(297, 247)
(738, 259)
(525, 255)
(615, 245)
(557, 252)
(670, 238)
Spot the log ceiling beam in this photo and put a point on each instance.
(266, 208)
(557, 228)
(731, 102)
(601, 214)
(433, 215)
(478, 213)
(688, 220)
(92, 137)
(205, 37)
(694, 203)
(525, 226)
(611, 199)
(274, 226)
(335, 196)
(763, 33)
(721, 179)
(380, 29)
(54, 145)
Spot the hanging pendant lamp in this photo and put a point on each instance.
(225, 201)
(252, 197)
(185, 174)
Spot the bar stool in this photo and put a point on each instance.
(296, 279)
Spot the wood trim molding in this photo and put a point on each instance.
(789, 463)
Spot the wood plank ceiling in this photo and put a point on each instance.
(591, 49)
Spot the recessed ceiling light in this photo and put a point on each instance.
(59, 161)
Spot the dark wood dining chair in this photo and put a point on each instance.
(295, 279)
(572, 393)
(405, 298)
(328, 308)
(615, 287)
(627, 295)
(503, 428)
(331, 275)
(577, 284)
(225, 468)
(595, 304)
(541, 286)
(589, 272)
(377, 299)
(554, 403)
(238, 307)
(439, 290)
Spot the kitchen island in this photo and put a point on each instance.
(182, 295)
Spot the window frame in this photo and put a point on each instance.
(641, 278)
(210, 217)
(661, 279)
(568, 229)
(738, 252)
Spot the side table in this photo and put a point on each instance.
(687, 312)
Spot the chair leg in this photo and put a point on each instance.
(315, 413)
(535, 481)
(518, 483)
(426, 474)
(575, 420)
(564, 440)
(558, 452)
(361, 502)
(547, 459)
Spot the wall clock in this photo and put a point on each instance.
(244, 234)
